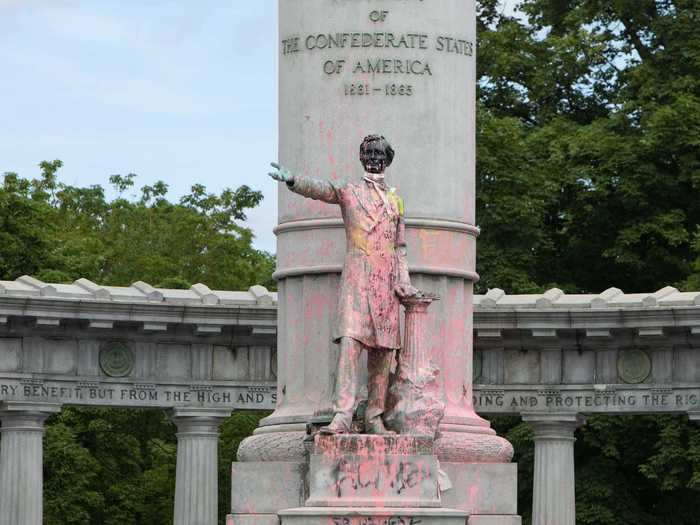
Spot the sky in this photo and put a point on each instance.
(179, 91)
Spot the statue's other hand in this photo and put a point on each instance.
(282, 174)
(404, 290)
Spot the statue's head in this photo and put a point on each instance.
(376, 154)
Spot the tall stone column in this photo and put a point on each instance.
(21, 461)
(405, 70)
(196, 476)
(554, 498)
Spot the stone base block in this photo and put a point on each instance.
(371, 516)
(482, 488)
(359, 470)
(494, 520)
(252, 519)
(264, 487)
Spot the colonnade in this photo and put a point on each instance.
(196, 484)
(21, 463)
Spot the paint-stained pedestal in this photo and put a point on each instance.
(373, 480)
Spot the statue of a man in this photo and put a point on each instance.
(375, 276)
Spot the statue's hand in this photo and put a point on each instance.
(282, 174)
(405, 290)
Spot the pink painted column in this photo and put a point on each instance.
(414, 353)
(428, 116)
(415, 403)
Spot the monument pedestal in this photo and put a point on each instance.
(375, 480)
(359, 479)
(270, 492)
(359, 470)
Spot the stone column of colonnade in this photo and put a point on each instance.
(21, 461)
(554, 498)
(196, 475)
(407, 71)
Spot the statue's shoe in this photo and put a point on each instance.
(331, 430)
(376, 426)
(337, 426)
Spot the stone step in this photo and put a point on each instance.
(371, 516)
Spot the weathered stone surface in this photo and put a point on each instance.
(481, 488)
(273, 446)
(72, 365)
(252, 519)
(494, 520)
(252, 483)
(472, 447)
(371, 516)
(373, 471)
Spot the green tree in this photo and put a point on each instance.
(607, 95)
(60, 233)
(588, 171)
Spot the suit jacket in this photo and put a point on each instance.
(368, 308)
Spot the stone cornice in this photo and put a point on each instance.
(540, 316)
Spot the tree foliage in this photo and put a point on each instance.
(117, 466)
(60, 233)
(591, 110)
(588, 171)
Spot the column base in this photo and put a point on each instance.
(371, 516)
(480, 446)
(252, 519)
(470, 447)
(273, 446)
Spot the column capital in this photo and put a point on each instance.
(554, 425)
(198, 421)
(26, 415)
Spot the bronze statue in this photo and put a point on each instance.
(375, 277)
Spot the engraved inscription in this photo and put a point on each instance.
(603, 401)
(359, 72)
(376, 520)
(111, 393)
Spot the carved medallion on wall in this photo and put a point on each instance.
(633, 365)
(116, 359)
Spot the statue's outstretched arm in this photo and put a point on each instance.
(308, 187)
